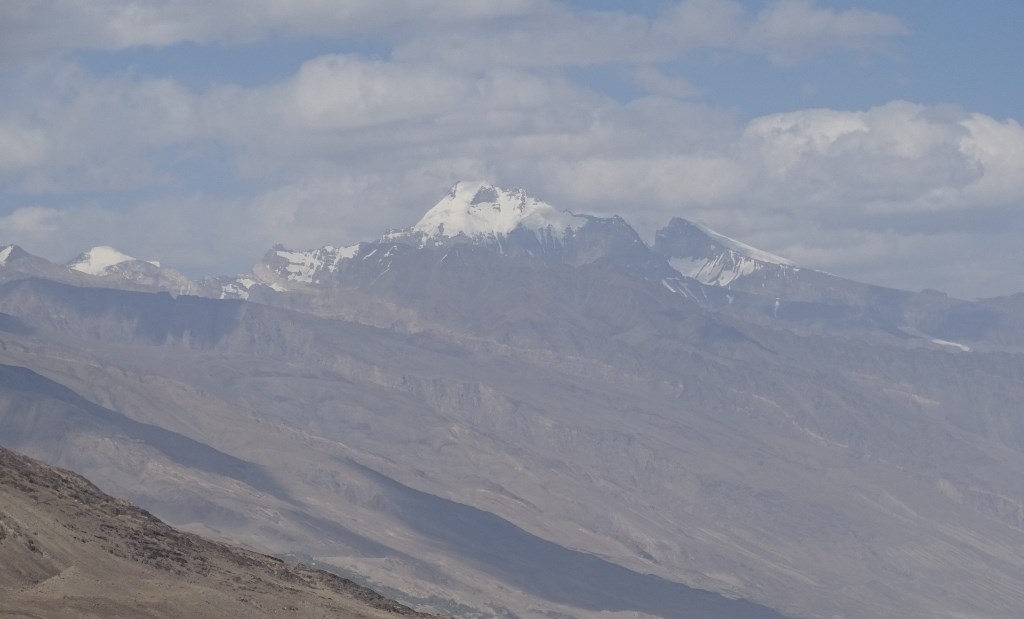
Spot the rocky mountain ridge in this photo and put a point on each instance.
(581, 430)
(68, 548)
(687, 259)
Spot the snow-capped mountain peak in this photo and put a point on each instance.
(5, 253)
(118, 268)
(712, 258)
(99, 260)
(283, 269)
(481, 210)
(750, 252)
(304, 266)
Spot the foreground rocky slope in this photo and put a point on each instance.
(68, 549)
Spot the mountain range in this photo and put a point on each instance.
(508, 409)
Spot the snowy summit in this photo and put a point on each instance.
(697, 251)
(481, 210)
(746, 250)
(99, 260)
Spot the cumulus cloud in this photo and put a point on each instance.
(997, 149)
(79, 133)
(457, 31)
(896, 194)
(30, 223)
(338, 92)
(896, 156)
(787, 30)
(791, 29)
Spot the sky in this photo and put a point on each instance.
(876, 140)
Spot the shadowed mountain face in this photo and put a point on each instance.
(68, 549)
(43, 411)
(45, 417)
(538, 418)
(548, 570)
(149, 319)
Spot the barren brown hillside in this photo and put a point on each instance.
(68, 550)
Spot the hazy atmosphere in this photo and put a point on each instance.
(526, 309)
(875, 140)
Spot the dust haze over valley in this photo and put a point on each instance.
(508, 409)
(540, 309)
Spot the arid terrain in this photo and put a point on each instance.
(517, 420)
(68, 550)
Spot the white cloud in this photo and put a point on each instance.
(658, 83)
(30, 223)
(339, 92)
(896, 157)
(881, 194)
(704, 23)
(552, 38)
(888, 159)
(667, 183)
(21, 147)
(790, 29)
(473, 31)
(786, 31)
(44, 28)
(997, 148)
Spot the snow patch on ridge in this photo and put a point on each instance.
(99, 259)
(742, 248)
(345, 253)
(5, 253)
(480, 210)
(303, 266)
(721, 270)
(714, 259)
(958, 345)
(237, 288)
(934, 340)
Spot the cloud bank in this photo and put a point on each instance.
(349, 144)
